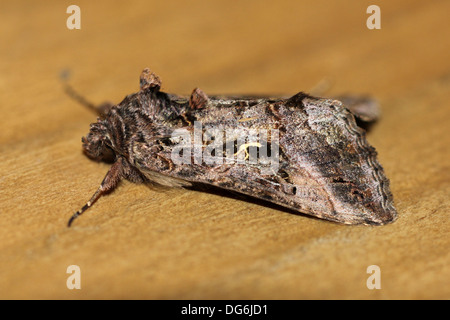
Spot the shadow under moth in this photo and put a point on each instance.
(304, 153)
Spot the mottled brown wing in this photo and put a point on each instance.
(326, 167)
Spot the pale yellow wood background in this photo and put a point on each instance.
(148, 243)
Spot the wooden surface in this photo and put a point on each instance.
(141, 242)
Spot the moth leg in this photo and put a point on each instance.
(112, 178)
(364, 108)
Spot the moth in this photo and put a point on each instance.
(301, 152)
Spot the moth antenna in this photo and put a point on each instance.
(71, 92)
(322, 87)
(100, 110)
(110, 181)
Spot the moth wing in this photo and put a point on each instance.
(164, 180)
(152, 159)
(363, 108)
(326, 168)
(331, 154)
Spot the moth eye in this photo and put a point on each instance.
(108, 154)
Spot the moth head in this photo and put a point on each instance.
(97, 144)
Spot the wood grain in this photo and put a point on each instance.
(148, 243)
